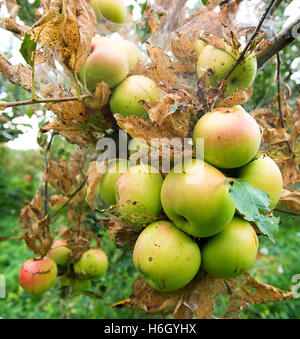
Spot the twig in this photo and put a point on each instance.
(70, 198)
(4, 105)
(280, 41)
(251, 39)
(278, 80)
(287, 212)
(46, 181)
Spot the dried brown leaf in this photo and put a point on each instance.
(95, 172)
(239, 97)
(290, 199)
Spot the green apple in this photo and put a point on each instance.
(77, 285)
(93, 264)
(221, 62)
(264, 174)
(60, 253)
(112, 10)
(196, 199)
(108, 181)
(105, 63)
(165, 257)
(133, 53)
(231, 252)
(199, 45)
(140, 187)
(231, 136)
(37, 276)
(125, 98)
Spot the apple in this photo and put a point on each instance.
(106, 63)
(37, 275)
(112, 10)
(197, 199)
(138, 189)
(221, 62)
(93, 264)
(133, 53)
(60, 253)
(125, 98)
(264, 174)
(108, 181)
(77, 285)
(165, 257)
(199, 45)
(231, 252)
(231, 136)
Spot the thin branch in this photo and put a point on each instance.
(251, 39)
(70, 198)
(278, 80)
(4, 105)
(47, 164)
(287, 212)
(280, 41)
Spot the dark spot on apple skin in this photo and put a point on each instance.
(150, 259)
(233, 80)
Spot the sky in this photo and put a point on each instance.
(28, 139)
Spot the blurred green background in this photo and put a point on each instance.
(20, 175)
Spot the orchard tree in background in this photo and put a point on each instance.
(177, 73)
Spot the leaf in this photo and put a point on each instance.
(197, 300)
(250, 202)
(95, 172)
(28, 46)
(238, 97)
(290, 199)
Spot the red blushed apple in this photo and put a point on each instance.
(231, 137)
(38, 275)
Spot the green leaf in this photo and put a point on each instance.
(254, 205)
(28, 46)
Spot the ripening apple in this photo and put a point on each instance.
(133, 53)
(108, 181)
(165, 257)
(112, 10)
(231, 136)
(93, 264)
(231, 252)
(125, 98)
(139, 188)
(37, 275)
(221, 62)
(77, 285)
(196, 199)
(105, 63)
(264, 174)
(60, 253)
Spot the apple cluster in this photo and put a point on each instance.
(38, 275)
(198, 225)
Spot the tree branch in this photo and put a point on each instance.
(70, 198)
(4, 105)
(261, 21)
(280, 41)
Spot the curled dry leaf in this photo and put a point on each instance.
(95, 172)
(35, 226)
(68, 26)
(57, 200)
(197, 300)
(273, 136)
(100, 97)
(238, 97)
(290, 199)
(123, 233)
(161, 69)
